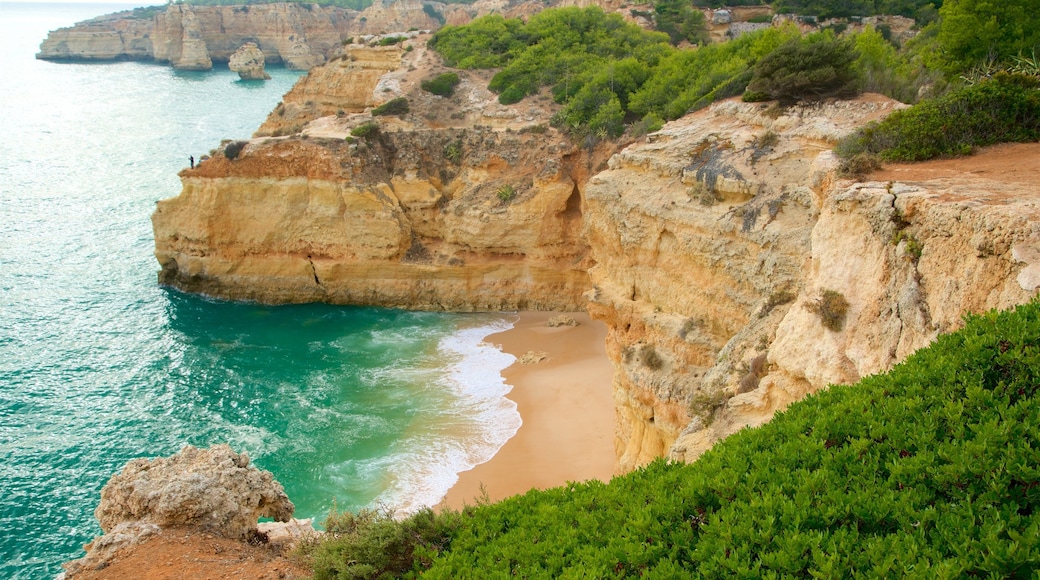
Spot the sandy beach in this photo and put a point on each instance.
(566, 404)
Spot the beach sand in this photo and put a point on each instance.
(567, 407)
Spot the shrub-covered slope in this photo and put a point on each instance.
(1003, 109)
(931, 470)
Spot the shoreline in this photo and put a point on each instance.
(566, 405)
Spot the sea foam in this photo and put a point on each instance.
(475, 423)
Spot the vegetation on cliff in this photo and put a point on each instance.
(1002, 109)
(609, 74)
(930, 468)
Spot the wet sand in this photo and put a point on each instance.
(566, 404)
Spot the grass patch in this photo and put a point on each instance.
(442, 85)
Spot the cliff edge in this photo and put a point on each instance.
(737, 273)
(196, 496)
(459, 204)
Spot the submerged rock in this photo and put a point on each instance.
(248, 62)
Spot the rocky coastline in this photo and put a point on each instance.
(707, 248)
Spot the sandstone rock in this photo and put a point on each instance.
(532, 357)
(691, 232)
(186, 46)
(409, 217)
(215, 489)
(248, 62)
(561, 320)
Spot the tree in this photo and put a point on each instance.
(679, 20)
(976, 31)
(817, 67)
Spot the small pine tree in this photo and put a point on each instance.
(810, 69)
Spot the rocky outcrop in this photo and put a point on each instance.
(184, 45)
(736, 276)
(463, 204)
(214, 490)
(347, 84)
(248, 62)
(735, 273)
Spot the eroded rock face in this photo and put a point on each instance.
(248, 62)
(188, 50)
(213, 490)
(717, 241)
(462, 204)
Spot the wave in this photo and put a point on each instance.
(473, 421)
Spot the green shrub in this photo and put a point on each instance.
(814, 68)
(442, 85)
(928, 471)
(453, 151)
(506, 193)
(832, 308)
(1003, 109)
(372, 544)
(233, 149)
(680, 21)
(365, 130)
(391, 40)
(396, 106)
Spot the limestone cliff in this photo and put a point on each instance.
(297, 35)
(462, 204)
(723, 244)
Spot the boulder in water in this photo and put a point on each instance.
(248, 62)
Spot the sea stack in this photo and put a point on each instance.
(248, 62)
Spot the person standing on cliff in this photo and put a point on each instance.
(191, 158)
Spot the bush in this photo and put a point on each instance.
(442, 85)
(453, 151)
(391, 40)
(814, 68)
(233, 149)
(858, 166)
(1003, 109)
(831, 307)
(365, 131)
(397, 106)
(373, 544)
(929, 470)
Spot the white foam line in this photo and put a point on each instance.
(427, 463)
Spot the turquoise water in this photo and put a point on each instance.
(99, 365)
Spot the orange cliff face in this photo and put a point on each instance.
(387, 221)
(460, 204)
(718, 242)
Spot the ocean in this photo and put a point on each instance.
(347, 406)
